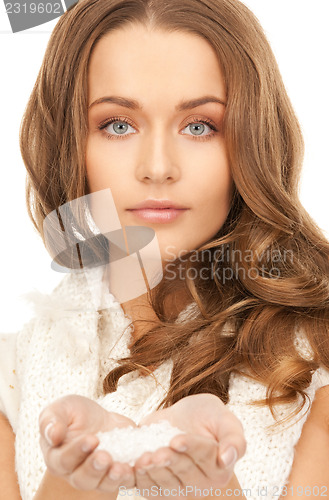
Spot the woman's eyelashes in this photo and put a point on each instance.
(118, 128)
(199, 126)
(118, 125)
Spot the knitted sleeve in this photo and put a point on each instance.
(265, 468)
(9, 390)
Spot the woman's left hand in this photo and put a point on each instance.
(214, 442)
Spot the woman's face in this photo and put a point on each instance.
(158, 146)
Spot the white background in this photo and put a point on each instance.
(298, 33)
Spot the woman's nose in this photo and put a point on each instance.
(157, 161)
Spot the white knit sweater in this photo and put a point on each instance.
(68, 348)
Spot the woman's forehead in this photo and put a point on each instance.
(136, 61)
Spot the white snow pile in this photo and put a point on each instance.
(127, 444)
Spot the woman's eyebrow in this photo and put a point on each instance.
(193, 103)
(181, 106)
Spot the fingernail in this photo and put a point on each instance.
(164, 464)
(146, 467)
(114, 476)
(180, 448)
(141, 471)
(99, 465)
(86, 447)
(229, 457)
(48, 432)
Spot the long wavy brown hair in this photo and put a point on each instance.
(267, 267)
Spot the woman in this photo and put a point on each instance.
(250, 324)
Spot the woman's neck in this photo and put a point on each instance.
(141, 313)
(140, 310)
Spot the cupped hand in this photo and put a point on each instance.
(213, 442)
(68, 427)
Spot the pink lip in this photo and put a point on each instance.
(152, 203)
(158, 211)
(158, 215)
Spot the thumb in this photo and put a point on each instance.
(232, 442)
(54, 421)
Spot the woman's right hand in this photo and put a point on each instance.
(68, 427)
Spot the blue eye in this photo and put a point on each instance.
(119, 127)
(197, 129)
